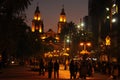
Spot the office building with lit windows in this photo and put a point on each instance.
(104, 20)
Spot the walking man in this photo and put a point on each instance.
(50, 68)
(41, 67)
(56, 69)
(72, 69)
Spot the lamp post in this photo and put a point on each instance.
(108, 43)
(85, 44)
(84, 51)
(113, 10)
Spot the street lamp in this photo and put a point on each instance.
(112, 10)
(81, 25)
(84, 44)
(108, 43)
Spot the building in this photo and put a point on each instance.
(62, 21)
(104, 21)
(37, 23)
(49, 37)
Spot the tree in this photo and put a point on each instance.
(82, 36)
(68, 29)
(12, 25)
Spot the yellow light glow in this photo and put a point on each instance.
(64, 20)
(67, 49)
(88, 44)
(107, 39)
(35, 17)
(81, 44)
(33, 29)
(43, 37)
(57, 38)
(38, 18)
(40, 30)
(60, 19)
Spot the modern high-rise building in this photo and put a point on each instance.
(96, 13)
(104, 16)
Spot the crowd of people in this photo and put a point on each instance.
(50, 67)
(78, 69)
(82, 68)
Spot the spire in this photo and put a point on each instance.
(62, 20)
(63, 12)
(62, 15)
(37, 14)
(37, 10)
(37, 23)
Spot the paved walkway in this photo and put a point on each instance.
(24, 73)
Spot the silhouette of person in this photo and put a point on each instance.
(90, 68)
(72, 69)
(76, 70)
(56, 69)
(50, 68)
(83, 69)
(41, 67)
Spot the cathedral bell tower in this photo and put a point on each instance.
(62, 20)
(37, 23)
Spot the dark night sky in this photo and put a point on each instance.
(50, 11)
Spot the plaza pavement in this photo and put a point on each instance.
(24, 73)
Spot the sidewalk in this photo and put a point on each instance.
(24, 73)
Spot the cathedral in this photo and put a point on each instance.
(38, 26)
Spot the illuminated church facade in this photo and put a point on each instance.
(38, 26)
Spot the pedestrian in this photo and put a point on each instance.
(56, 69)
(50, 68)
(90, 69)
(72, 69)
(76, 69)
(83, 69)
(41, 67)
(115, 72)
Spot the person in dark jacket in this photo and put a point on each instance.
(83, 69)
(41, 67)
(90, 68)
(76, 69)
(56, 69)
(50, 68)
(72, 69)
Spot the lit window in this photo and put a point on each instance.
(64, 20)
(38, 18)
(35, 18)
(40, 30)
(60, 19)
